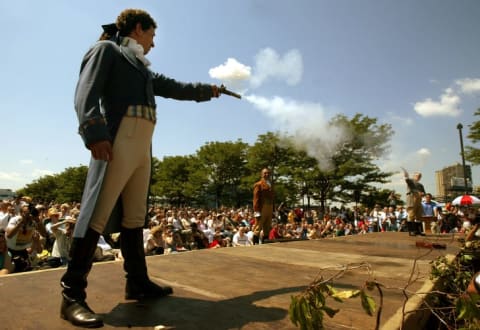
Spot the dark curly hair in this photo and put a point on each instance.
(126, 23)
(128, 19)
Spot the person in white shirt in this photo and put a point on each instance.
(5, 215)
(240, 238)
(63, 231)
(23, 234)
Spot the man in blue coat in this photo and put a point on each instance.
(115, 105)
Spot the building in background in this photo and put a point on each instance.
(450, 182)
(6, 194)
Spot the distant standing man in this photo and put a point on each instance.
(429, 206)
(415, 192)
(262, 206)
(116, 109)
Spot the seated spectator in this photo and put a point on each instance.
(154, 243)
(240, 238)
(63, 231)
(291, 216)
(401, 216)
(328, 230)
(349, 229)
(64, 210)
(282, 212)
(199, 238)
(274, 232)
(23, 238)
(290, 231)
(172, 240)
(185, 222)
(304, 230)
(364, 229)
(314, 231)
(104, 251)
(340, 229)
(5, 214)
(218, 241)
(248, 232)
(53, 216)
(452, 221)
(389, 223)
(6, 265)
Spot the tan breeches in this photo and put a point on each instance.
(264, 222)
(415, 212)
(127, 175)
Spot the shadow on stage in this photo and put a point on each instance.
(189, 313)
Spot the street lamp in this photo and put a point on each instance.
(459, 127)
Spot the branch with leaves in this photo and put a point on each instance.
(448, 302)
(308, 308)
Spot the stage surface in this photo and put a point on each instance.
(238, 288)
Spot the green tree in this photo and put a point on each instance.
(355, 162)
(223, 173)
(472, 154)
(351, 167)
(66, 186)
(71, 183)
(298, 173)
(43, 189)
(218, 170)
(170, 178)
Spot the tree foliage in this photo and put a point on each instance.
(63, 187)
(223, 173)
(472, 154)
(219, 168)
(170, 179)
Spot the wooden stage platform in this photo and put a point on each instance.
(236, 288)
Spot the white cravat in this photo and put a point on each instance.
(137, 49)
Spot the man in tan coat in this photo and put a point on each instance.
(415, 192)
(262, 206)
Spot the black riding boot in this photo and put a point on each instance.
(139, 285)
(74, 282)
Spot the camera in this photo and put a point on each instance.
(33, 210)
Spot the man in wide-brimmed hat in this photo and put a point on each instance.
(63, 231)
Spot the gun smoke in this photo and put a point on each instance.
(304, 124)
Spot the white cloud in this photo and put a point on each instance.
(407, 121)
(450, 100)
(468, 85)
(446, 106)
(416, 161)
(10, 176)
(16, 180)
(37, 173)
(423, 152)
(12, 180)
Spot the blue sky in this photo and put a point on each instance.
(413, 64)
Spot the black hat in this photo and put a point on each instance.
(111, 28)
(110, 32)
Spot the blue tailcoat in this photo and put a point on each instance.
(111, 79)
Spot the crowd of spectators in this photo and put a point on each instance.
(36, 235)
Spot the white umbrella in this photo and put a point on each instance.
(466, 200)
